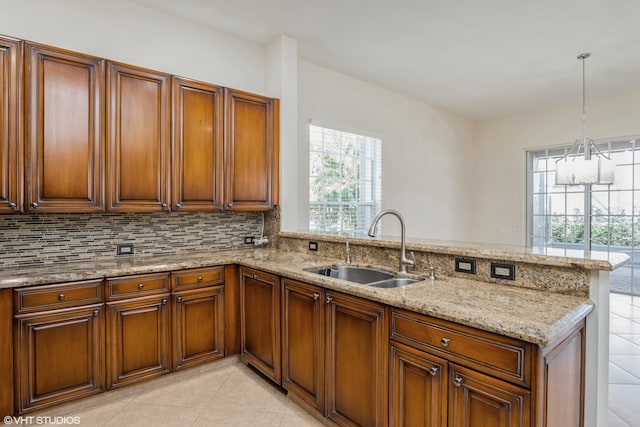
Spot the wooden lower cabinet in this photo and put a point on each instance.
(477, 400)
(260, 321)
(138, 332)
(356, 360)
(418, 388)
(198, 326)
(58, 356)
(303, 319)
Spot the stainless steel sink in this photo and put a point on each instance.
(396, 282)
(364, 276)
(352, 273)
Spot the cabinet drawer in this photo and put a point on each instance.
(197, 278)
(503, 357)
(137, 286)
(49, 297)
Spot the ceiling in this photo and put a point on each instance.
(478, 58)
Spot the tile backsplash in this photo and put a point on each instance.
(37, 239)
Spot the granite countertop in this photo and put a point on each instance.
(534, 316)
(559, 257)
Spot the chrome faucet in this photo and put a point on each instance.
(404, 261)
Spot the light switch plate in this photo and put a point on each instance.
(503, 271)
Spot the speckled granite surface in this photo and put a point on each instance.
(533, 316)
(542, 256)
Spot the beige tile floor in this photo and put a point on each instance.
(227, 393)
(224, 393)
(624, 361)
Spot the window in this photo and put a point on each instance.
(598, 217)
(344, 181)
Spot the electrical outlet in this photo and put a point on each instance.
(261, 241)
(313, 246)
(466, 266)
(125, 249)
(503, 271)
(249, 240)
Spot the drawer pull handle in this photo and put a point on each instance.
(457, 380)
(12, 205)
(255, 277)
(164, 301)
(316, 296)
(34, 205)
(434, 371)
(179, 299)
(329, 299)
(61, 297)
(178, 205)
(199, 278)
(230, 204)
(96, 313)
(141, 286)
(445, 341)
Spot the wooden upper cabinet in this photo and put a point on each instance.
(138, 139)
(198, 144)
(64, 130)
(251, 156)
(11, 178)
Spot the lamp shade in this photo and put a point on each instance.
(580, 171)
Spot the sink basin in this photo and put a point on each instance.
(396, 282)
(364, 276)
(351, 273)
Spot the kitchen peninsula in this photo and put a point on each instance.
(547, 302)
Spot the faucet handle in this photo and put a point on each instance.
(413, 259)
(348, 253)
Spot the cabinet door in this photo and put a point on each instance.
(198, 143)
(198, 326)
(11, 178)
(356, 349)
(57, 356)
(250, 151)
(303, 341)
(479, 400)
(417, 388)
(138, 154)
(138, 337)
(260, 321)
(64, 131)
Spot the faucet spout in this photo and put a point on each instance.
(404, 261)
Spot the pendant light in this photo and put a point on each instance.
(592, 167)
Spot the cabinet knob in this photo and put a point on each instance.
(445, 341)
(140, 286)
(255, 277)
(61, 297)
(164, 301)
(34, 205)
(178, 205)
(12, 205)
(316, 296)
(96, 313)
(164, 206)
(329, 299)
(434, 370)
(230, 204)
(199, 278)
(179, 299)
(457, 380)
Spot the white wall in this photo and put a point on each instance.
(125, 31)
(425, 174)
(499, 172)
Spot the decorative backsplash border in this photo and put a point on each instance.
(41, 239)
